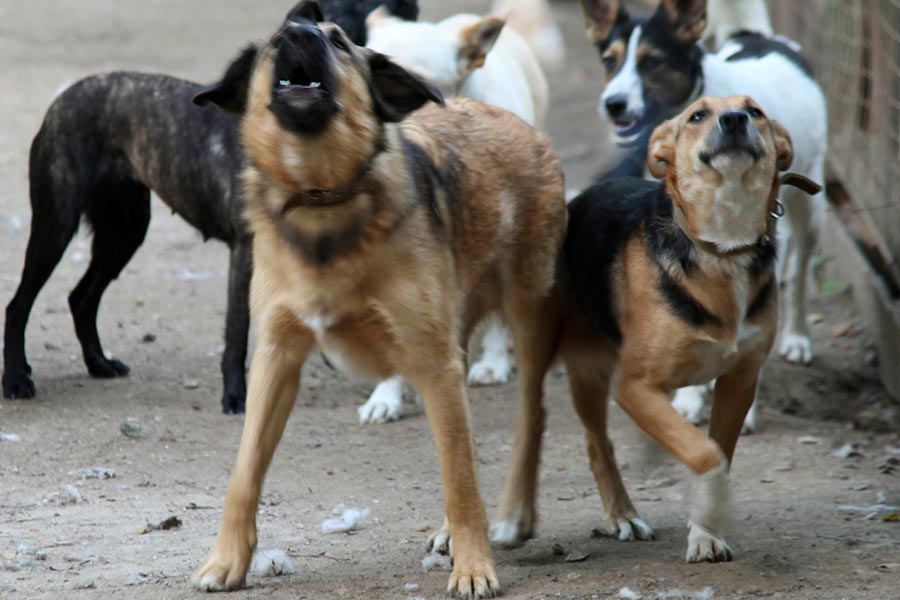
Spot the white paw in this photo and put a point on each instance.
(629, 530)
(796, 348)
(385, 404)
(509, 534)
(750, 420)
(439, 542)
(492, 369)
(689, 402)
(704, 546)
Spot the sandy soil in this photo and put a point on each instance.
(808, 524)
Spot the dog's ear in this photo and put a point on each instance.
(599, 18)
(687, 17)
(784, 147)
(308, 10)
(395, 91)
(661, 151)
(230, 94)
(476, 41)
(375, 18)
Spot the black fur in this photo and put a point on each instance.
(351, 14)
(685, 306)
(763, 297)
(756, 45)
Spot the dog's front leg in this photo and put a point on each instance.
(274, 380)
(442, 387)
(649, 406)
(237, 326)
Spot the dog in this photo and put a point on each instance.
(655, 66)
(473, 57)
(104, 144)
(672, 283)
(382, 234)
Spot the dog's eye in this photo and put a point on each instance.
(755, 112)
(338, 42)
(699, 116)
(609, 63)
(648, 63)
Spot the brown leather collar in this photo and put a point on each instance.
(320, 197)
(776, 211)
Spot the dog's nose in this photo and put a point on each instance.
(298, 32)
(616, 105)
(733, 121)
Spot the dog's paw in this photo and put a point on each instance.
(494, 369)
(18, 386)
(474, 578)
(796, 348)
(106, 368)
(629, 529)
(439, 542)
(222, 573)
(750, 421)
(704, 546)
(234, 402)
(688, 402)
(385, 404)
(511, 534)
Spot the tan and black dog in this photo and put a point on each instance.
(672, 283)
(382, 239)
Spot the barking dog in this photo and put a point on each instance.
(382, 240)
(672, 283)
(654, 67)
(105, 143)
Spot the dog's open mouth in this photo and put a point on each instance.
(731, 151)
(626, 127)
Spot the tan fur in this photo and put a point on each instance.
(660, 352)
(599, 18)
(616, 51)
(403, 298)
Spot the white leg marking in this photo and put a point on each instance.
(689, 402)
(710, 510)
(495, 366)
(439, 542)
(630, 530)
(750, 420)
(385, 403)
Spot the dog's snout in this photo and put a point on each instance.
(616, 105)
(733, 121)
(300, 32)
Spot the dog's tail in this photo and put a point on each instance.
(533, 20)
(727, 17)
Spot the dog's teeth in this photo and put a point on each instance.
(285, 82)
(314, 84)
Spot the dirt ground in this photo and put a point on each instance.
(809, 524)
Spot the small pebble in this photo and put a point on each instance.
(411, 587)
(131, 430)
(191, 384)
(558, 550)
(148, 338)
(577, 556)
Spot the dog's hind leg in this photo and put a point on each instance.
(237, 327)
(119, 211)
(805, 215)
(534, 325)
(589, 369)
(56, 210)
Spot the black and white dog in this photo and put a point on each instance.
(655, 66)
(105, 143)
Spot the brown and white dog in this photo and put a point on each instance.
(672, 283)
(382, 239)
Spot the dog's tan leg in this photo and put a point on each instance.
(589, 380)
(649, 406)
(534, 327)
(442, 387)
(274, 380)
(733, 397)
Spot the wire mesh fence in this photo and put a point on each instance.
(854, 47)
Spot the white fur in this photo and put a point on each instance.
(689, 402)
(710, 512)
(507, 534)
(495, 365)
(533, 20)
(385, 404)
(627, 82)
(726, 17)
(635, 529)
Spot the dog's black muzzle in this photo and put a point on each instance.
(735, 134)
(304, 86)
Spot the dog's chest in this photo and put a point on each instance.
(715, 357)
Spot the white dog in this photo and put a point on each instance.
(483, 58)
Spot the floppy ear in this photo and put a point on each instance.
(476, 41)
(661, 151)
(599, 18)
(395, 91)
(688, 17)
(375, 18)
(308, 10)
(230, 94)
(784, 147)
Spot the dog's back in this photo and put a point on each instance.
(139, 129)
